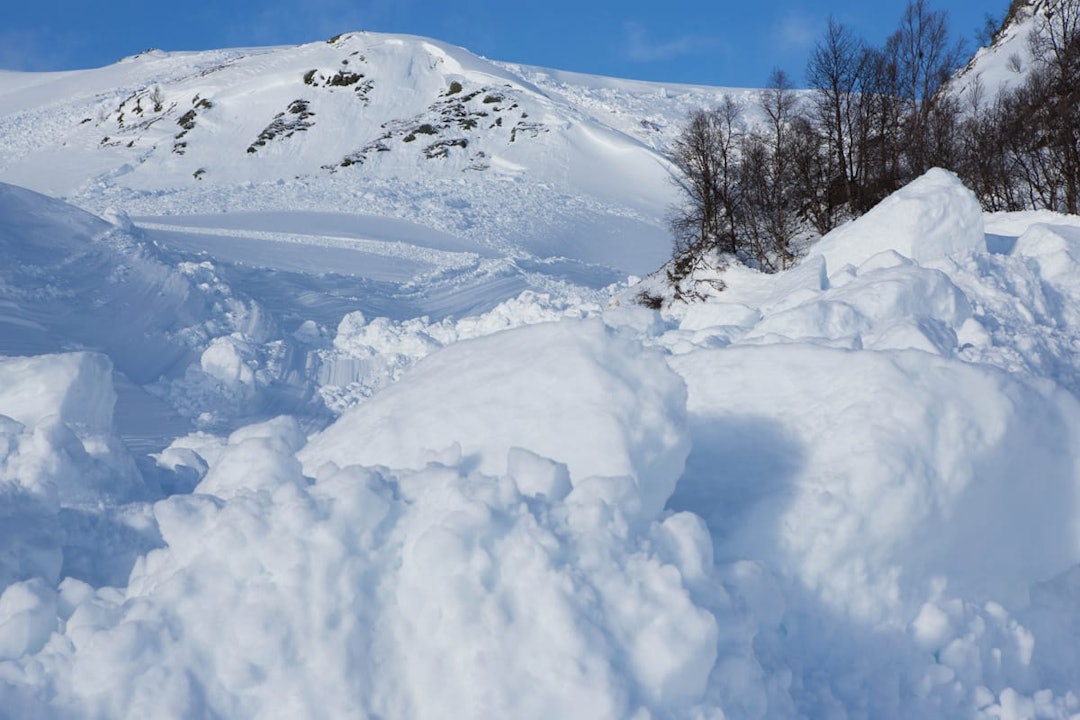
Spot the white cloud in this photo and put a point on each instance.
(796, 31)
(639, 47)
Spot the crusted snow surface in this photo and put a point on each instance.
(306, 460)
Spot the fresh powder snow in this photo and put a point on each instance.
(363, 420)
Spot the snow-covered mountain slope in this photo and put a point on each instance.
(367, 124)
(393, 439)
(1005, 63)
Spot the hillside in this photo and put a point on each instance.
(1006, 61)
(333, 430)
(506, 158)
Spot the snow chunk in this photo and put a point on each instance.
(537, 475)
(230, 359)
(932, 217)
(932, 627)
(1055, 249)
(56, 441)
(27, 617)
(75, 388)
(573, 391)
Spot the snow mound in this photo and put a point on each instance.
(369, 354)
(75, 389)
(885, 460)
(932, 217)
(57, 451)
(573, 391)
(905, 471)
(322, 594)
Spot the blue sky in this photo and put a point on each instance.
(714, 43)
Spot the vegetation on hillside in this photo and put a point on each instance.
(877, 117)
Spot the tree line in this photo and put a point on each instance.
(876, 118)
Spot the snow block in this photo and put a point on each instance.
(1056, 249)
(76, 388)
(573, 391)
(27, 617)
(932, 217)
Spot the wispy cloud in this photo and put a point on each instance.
(35, 50)
(796, 32)
(638, 46)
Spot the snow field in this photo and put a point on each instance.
(378, 131)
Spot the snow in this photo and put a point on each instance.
(609, 410)
(398, 443)
(933, 216)
(78, 390)
(1005, 63)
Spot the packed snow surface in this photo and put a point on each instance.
(305, 460)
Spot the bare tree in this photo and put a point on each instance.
(926, 58)
(834, 72)
(984, 158)
(705, 153)
(1055, 46)
(879, 116)
(815, 172)
(771, 203)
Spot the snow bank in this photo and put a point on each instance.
(573, 391)
(57, 451)
(931, 217)
(911, 468)
(371, 593)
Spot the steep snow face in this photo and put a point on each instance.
(1005, 63)
(73, 277)
(170, 326)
